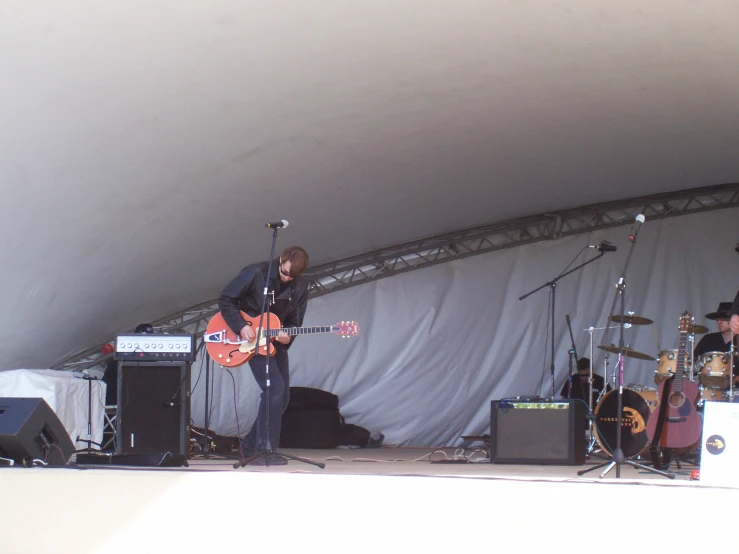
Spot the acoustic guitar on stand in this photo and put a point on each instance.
(227, 348)
(681, 424)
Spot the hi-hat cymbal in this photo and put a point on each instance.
(628, 352)
(698, 330)
(632, 319)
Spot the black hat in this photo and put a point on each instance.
(724, 308)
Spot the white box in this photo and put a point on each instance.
(720, 444)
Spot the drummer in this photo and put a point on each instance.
(720, 341)
(577, 387)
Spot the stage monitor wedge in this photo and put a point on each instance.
(30, 430)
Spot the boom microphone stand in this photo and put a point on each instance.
(603, 247)
(618, 458)
(268, 450)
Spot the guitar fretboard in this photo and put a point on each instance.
(677, 386)
(300, 330)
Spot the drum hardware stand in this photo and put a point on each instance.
(617, 458)
(553, 288)
(268, 450)
(591, 449)
(573, 356)
(732, 352)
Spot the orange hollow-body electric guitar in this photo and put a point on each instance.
(227, 348)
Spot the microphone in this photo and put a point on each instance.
(737, 248)
(277, 224)
(604, 246)
(635, 228)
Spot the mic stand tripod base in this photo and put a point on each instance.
(618, 460)
(268, 453)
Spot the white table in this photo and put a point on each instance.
(66, 393)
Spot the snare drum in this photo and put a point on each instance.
(638, 404)
(713, 370)
(667, 365)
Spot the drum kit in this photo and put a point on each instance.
(711, 371)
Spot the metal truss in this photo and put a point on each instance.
(430, 251)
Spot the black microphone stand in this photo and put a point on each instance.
(572, 357)
(553, 286)
(268, 450)
(617, 458)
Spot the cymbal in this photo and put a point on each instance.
(628, 352)
(632, 319)
(698, 329)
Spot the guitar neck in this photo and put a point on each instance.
(677, 386)
(292, 331)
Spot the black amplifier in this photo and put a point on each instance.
(147, 347)
(537, 432)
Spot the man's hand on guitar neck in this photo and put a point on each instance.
(247, 333)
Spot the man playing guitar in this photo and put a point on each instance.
(287, 299)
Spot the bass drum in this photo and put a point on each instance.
(638, 403)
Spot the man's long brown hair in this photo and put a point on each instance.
(297, 257)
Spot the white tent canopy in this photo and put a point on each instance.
(145, 144)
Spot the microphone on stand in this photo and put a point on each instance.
(277, 224)
(604, 246)
(635, 228)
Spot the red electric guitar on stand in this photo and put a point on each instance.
(676, 421)
(228, 350)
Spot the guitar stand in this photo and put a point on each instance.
(672, 456)
(89, 440)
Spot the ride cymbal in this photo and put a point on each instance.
(698, 329)
(632, 319)
(628, 352)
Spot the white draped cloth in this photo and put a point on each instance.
(66, 393)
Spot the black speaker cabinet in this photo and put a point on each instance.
(29, 429)
(537, 432)
(153, 410)
(311, 428)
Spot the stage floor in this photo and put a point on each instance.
(365, 500)
(443, 462)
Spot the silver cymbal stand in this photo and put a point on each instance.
(591, 435)
(731, 368)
